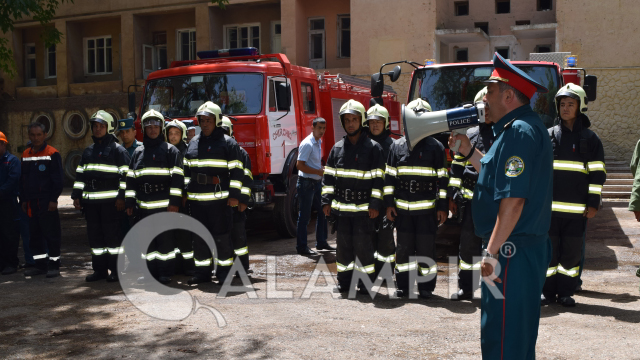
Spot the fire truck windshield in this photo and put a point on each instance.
(180, 96)
(447, 87)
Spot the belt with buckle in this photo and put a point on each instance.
(153, 188)
(349, 195)
(98, 184)
(204, 179)
(414, 186)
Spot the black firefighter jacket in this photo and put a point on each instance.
(101, 173)
(213, 169)
(155, 178)
(354, 177)
(578, 168)
(416, 181)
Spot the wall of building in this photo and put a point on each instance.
(379, 37)
(32, 35)
(170, 23)
(603, 35)
(485, 11)
(262, 14)
(77, 32)
(295, 30)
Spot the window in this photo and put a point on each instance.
(308, 100)
(544, 5)
(279, 95)
(503, 51)
(461, 8)
(316, 43)
(160, 50)
(503, 6)
(30, 65)
(50, 62)
(180, 96)
(276, 35)
(543, 49)
(242, 36)
(344, 36)
(462, 55)
(484, 26)
(98, 55)
(186, 44)
(523, 22)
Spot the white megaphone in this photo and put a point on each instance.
(420, 122)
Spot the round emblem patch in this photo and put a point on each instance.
(42, 167)
(121, 123)
(514, 166)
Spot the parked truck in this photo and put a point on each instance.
(273, 104)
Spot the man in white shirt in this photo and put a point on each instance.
(309, 187)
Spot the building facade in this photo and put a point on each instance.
(110, 47)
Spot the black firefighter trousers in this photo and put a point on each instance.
(218, 219)
(416, 237)
(105, 237)
(239, 237)
(354, 245)
(384, 244)
(46, 234)
(470, 250)
(566, 236)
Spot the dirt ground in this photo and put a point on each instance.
(66, 317)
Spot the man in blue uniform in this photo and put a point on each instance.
(127, 133)
(512, 213)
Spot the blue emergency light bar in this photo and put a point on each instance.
(223, 53)
(429, 62)
(572, 61)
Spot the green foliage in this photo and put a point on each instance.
(42, 11)
(14, 10)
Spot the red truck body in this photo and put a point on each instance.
(271, 136)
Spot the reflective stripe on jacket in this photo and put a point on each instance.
(354, 169)
(423, 165)
(578, 173)
(101, 172)
(41, 174)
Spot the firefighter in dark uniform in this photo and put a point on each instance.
(383, 242)
(99, 190)
(213, 180)
(463, 178)
(176, 133)
(40, 188)
(352, 193)
(239, 232)
(578, 176)
(155, 180)
(416, 199)
(511, 213)
(126, 131)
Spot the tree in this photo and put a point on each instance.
(42, 11)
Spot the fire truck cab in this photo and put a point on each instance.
(272, 104)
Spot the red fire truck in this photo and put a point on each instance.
(273, 104)
(446, 86)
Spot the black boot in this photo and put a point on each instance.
(95, 277)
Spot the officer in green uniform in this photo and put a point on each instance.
(512, 213)
(127, 133)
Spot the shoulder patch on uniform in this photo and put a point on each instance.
(514, 166)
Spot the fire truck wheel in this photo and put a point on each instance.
(285, 211)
